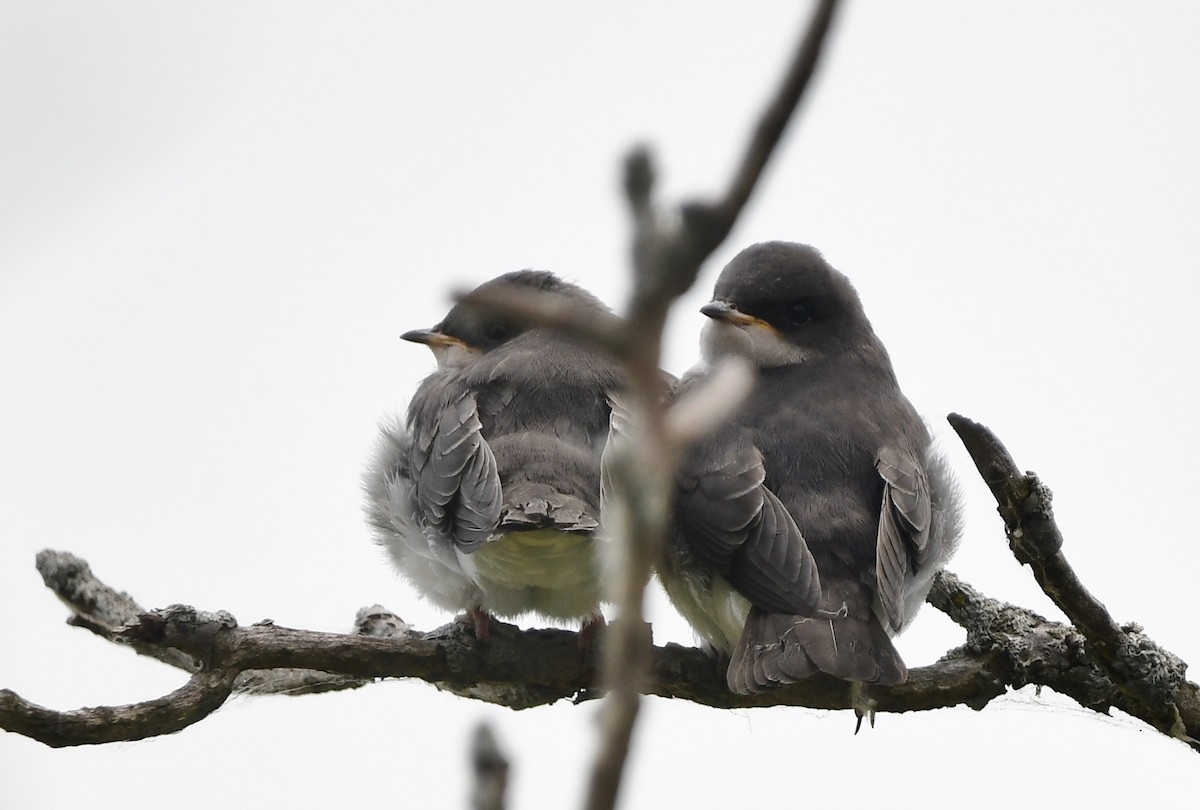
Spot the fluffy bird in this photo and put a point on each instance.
(487, 497)
(808, 528)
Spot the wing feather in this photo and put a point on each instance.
(458, 486)
(904, 521)
(730, 518)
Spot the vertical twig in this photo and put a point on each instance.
(490, 769)
(666, 261)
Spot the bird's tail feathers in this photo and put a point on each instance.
(779, 649)
(529, 505)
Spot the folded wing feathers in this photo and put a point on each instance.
(721, 503)
(458, 485)
(774, 568)
(904, 522)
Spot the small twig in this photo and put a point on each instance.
(774, 119)
(490, 767)
(97, 607)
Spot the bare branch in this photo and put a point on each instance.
(667, 255)
(197, 699)
(1148, 676)
(97, 607)
(1035, 650)
(105, 612)
(774, 119)
(1007, 646)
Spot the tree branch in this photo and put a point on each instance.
(1007, 647)
(775, 117)
(97, 607)
(104, 611)
(1149, 678)
(666, 262)
(516, 668)
(202, 695)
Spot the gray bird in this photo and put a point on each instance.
(487, 498)
(808, 528)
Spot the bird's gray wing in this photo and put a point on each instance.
(458, 486)
(903, 540)
(730, 518)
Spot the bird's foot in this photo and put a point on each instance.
(592, 627)
(863, 705)
(481, 622)
(588, 693)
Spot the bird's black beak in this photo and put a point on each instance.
(717, 309)
(721, 310)
(430, 337)
(726, 312)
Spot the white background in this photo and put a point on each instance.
(216, 219)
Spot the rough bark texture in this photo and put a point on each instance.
(1147, 678)
(1007, 647)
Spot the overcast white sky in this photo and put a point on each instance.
(217, 218)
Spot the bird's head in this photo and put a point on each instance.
(468, 331)
(779, 304)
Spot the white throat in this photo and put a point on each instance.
(760, 345)
(453, 355)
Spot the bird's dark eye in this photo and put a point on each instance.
(798, 313)
(497, 331)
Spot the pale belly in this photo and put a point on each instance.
(711, 606)
(544, 571)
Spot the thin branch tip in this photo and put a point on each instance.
(639, 176)
(490, 767)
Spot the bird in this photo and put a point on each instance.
(806, 530)
(486, 496)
